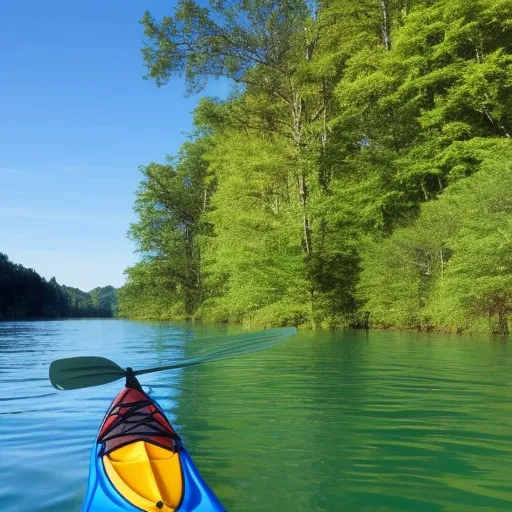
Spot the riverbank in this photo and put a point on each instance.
(478, 327)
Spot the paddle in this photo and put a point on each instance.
(83, 372)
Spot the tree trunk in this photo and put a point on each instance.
(297, 113)
(303, 195)
(501, 328)
(386, 24)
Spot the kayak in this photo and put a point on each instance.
(138, 462)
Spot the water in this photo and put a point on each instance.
(355, 421)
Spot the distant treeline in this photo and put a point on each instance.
(25, 294)
(359, 173)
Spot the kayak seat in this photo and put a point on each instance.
(146, 475)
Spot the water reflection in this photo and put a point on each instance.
(352, 421)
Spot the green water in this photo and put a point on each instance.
(355, 421)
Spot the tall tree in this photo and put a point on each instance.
(253, 263)
(263, 45)
(169, 204)
(443, 83)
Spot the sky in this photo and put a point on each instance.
(76, 121)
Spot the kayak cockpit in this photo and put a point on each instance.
(146, 475)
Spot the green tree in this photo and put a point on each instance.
(253, 262)
(169, 204)
(443, 82)
(258, 44)
(451, 268)
(344, 118)
(25, 294)
(479, 274)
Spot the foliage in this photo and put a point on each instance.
(170, 201)
(253, 261)
(25, 294)
(328, 188)
(451, 267)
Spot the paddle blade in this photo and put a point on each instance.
(84, 372)
(227, 347)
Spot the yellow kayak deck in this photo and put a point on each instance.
(148, 476)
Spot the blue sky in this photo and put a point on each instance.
(77, 119)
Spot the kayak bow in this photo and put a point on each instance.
(139, 463)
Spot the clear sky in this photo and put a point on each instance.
(76, 120)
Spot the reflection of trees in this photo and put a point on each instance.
(265, 430)
(353, 421)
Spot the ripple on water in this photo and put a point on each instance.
(334, 421)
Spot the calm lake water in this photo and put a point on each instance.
(357, 421)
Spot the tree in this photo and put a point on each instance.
(444, 82)
(263, 45)
(479, 275)
(451, 267)
(346, 122)
(253, 263)
(170, 201)
(25, 294)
